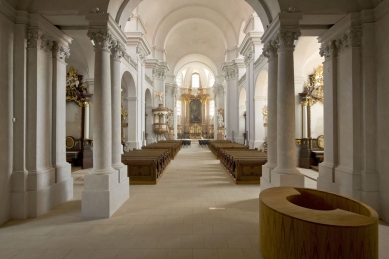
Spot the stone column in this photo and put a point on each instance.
(286, 172)
(86, 121)
(19, 195)
(174, 96)
(118, 51)
(270, 52)
(327, 167)
(231, 74)
(250, 93)
(39, 83)
(104, 190)
(63, 169)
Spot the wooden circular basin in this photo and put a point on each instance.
(304, 223)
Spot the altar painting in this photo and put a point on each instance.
(195, 111)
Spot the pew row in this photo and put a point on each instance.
(243, 166)
(216, 147)
(146, 166)
(174, 147)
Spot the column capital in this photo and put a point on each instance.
(270, 49)
(351, 38)
(60, 52)
(230, 71)
(286, 38)
(328, 50)
(118, 50)
(160, 70)
(37, 39)
(101, 39)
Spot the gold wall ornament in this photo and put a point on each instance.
(76, 91)
(159, 95)
(265, 114)
(315, 87)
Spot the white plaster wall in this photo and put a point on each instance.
(317, 120)
(73, 120)
(6, 135)
(382, 42)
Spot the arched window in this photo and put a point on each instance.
(195, 80)
(178, 108)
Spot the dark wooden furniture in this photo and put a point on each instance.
(146, 166)
(243, 165)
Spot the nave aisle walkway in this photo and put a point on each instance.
(170, 220)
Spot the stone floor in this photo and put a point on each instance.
(195, 211)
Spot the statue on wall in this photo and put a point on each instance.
(159, 96)
(220, 120)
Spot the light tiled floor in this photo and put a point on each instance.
(169, 220)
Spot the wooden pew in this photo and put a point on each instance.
(146, 166)
(174, 147)
(216, 147)
(244, 166)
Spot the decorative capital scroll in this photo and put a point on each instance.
(328, 50)
(60, 52)
(101, 40)
(249, 54)
(159, 73)
(270, 49)
(141, 53)
(37, 39)
(230, 72)
(286, 38)
(349, 39)
(118, 50)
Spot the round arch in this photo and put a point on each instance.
(130, 104)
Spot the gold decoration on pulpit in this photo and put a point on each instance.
(75, 89)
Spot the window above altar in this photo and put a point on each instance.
(195, 80)
(195, 75)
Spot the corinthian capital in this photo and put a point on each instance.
(101, 40)
(37, 39)
(60, 52)
(350, 38)
(118, 50)
(270, 49)
(286, 38)
(328, 50)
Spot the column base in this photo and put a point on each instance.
(63, 172)
(287, 177)
(326, 179)
(266, 177)
(104, 194)
(44, 200)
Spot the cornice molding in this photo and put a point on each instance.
(138, 41)
(7, 10)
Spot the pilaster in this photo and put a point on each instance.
(105, 189)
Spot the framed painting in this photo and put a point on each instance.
(195, 111)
